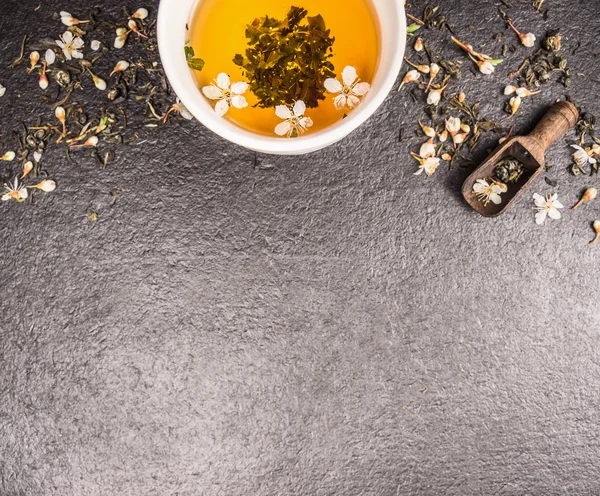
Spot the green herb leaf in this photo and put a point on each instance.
(195, 63)
(413, 28)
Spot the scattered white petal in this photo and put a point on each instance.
(50, 56)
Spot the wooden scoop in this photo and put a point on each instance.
(529, 150)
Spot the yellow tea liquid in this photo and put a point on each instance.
(217, 34)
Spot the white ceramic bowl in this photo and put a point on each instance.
(172, 18)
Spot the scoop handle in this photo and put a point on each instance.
(559, 119)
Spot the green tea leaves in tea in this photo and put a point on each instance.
(288, 60)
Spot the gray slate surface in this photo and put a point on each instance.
(318, 325)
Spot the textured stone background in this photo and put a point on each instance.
(318, 325)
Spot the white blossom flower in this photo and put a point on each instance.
(583, 156)
(350, 92)
(487, 192)
(429, 165)
(95, 45)
(15, 191)
(547, 206)
(71, 45)
(453, 125)
(295, 123)
(2, 90)
(428, 162)
(8, 156)
(226, 93)
(427, 149)
(419, 45)
(37, 155)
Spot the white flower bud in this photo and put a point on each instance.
(486, 67)
(528, 40)
(47, 185)
(140, 14)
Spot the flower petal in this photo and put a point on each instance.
(239, 102)
(495, 197)
(333, 85)
(283, 128)
(340, 101)
(212, 92)
(349, 75)
(540, 217)
(306, 122)
(223, 81)
(76, 54)
(299, 108)
(361, 89)
(554, 214)
(67, 37)
(283, 112)
(557, 204)
(539, 200)
(353, 101)
(221, 107)
(185, 113)
(78, 43)
(239, 88)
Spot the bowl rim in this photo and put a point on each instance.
(173, 60)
